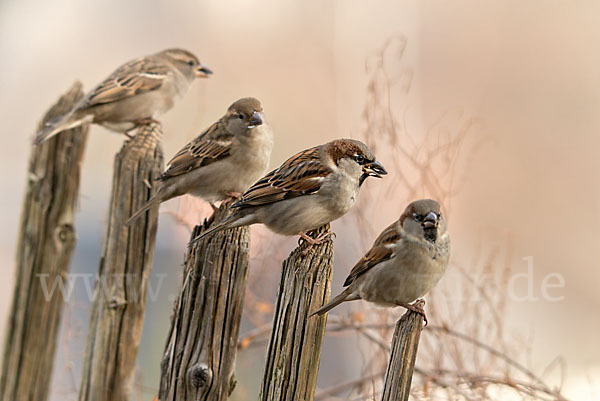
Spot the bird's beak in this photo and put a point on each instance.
(374, 169)
(255, 120)
(431, 220)
(203, 71)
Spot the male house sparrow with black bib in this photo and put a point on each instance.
(221, 162)
(310, 189)
(406, 261)
(137, 91)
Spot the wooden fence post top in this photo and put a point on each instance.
(117, 315)
(199, 358)
(405, 343)
(294, 349)
(45, 245)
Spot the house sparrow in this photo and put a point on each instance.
(405, 262)
(308, 190)
(137, 91)
(221, 162)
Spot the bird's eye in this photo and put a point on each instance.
(191, 62)
(418, 217)
(241, 116)
(360, 159)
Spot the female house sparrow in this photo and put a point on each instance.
(406, 261)
(138, 90)
(310, 189)
(221, 162)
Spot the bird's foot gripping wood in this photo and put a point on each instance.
(417, 307)
(321, 238)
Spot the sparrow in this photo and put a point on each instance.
(406, 261)
(135, 92)
(222, 162)
(310, 189)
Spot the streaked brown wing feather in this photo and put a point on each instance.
(212, 145)
(134, 78)
(389, 236)
(378, 253)
(301, 174)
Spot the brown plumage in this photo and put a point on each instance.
(224, 159)
(311, 188)
(213, 144)
(379, 252)
(405, 262)
(136, 91)
(300, 175)
(134, 78)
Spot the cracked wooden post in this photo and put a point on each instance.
(405, 342)
(199, 358)
(117, 315)
(294, 348)
(45, 245)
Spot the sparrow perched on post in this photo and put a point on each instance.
(406, 261)
(137, 91)
(310, 189)
(221, 162)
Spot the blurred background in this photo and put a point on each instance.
(490, 107)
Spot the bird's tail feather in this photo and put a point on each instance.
(59, 125)
(346, 295)
(225, 224)
(233, 220)
(151, 202)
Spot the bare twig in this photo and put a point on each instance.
(340, 388)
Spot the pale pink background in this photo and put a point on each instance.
(529, 72)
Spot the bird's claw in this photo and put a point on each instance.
(418, 307)
(321, 238)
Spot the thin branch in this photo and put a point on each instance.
(337, 389)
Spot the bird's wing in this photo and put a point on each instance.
(212, 145)
(134, 78)
(302, 174)
(379, 252)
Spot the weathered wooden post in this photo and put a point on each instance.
(294, 348)
(199, 358)
(120, 292)
(46, 242)
(405, 342)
